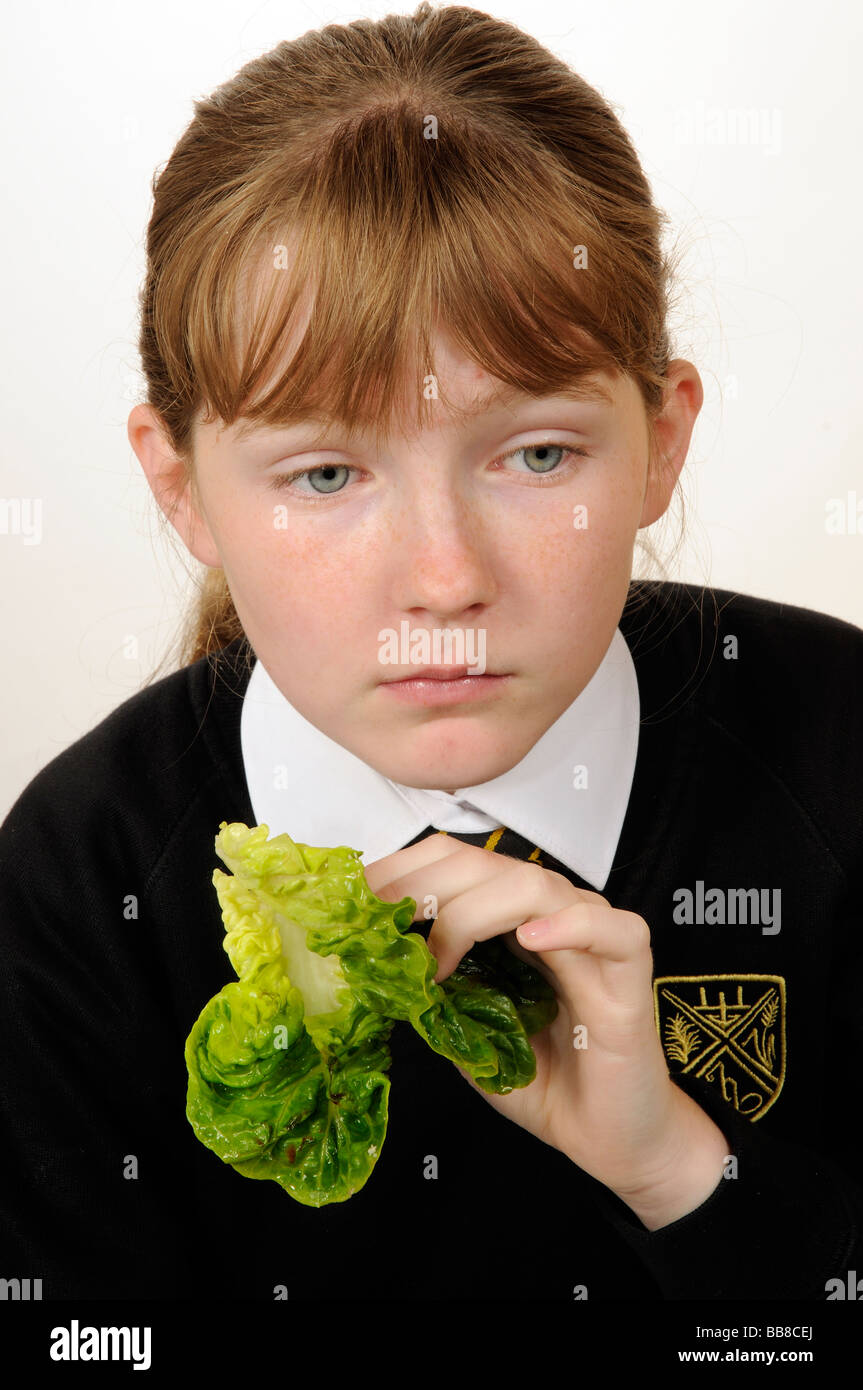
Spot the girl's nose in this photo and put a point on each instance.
(447, 556)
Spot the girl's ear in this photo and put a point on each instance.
(684, 395)
(171, 484)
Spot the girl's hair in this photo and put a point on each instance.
(394, 176)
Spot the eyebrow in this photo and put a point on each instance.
(582, 390)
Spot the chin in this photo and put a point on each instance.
(443, 754)
(436, 774)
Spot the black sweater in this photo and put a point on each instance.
(749, 775)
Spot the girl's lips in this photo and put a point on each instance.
(430, 691)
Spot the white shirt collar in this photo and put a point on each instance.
(304, 783)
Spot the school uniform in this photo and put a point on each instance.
(707, 778)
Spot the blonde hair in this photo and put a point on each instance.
(434, 168)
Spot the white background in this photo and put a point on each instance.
(94, 98)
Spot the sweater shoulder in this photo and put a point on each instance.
(777, 664)
(781, 698)
(792, 657)
(699, 608)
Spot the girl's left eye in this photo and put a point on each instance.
(547, 464)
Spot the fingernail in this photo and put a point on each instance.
(532, 931)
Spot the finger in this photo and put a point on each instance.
(382, 872)
(436, 884)
(615, 943)
(594, 928)
(510, 896)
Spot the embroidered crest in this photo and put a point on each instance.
(728, 1029)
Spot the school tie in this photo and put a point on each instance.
(508, 842)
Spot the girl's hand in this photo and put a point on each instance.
(602, 1092)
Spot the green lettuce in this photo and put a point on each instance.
(288, 1065)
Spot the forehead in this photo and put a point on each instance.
(467, 407)
(470, 398)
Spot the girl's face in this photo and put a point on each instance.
(496, 528)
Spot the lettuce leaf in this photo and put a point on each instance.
(288, 1065)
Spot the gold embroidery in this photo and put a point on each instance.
(491, 843)
(739, 1046)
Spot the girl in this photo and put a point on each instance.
(410, 398)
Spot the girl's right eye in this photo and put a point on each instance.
(325, 472)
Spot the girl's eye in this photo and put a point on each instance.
(328, 474)
(325, 473)
(546, 461)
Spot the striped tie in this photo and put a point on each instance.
(508, 842)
